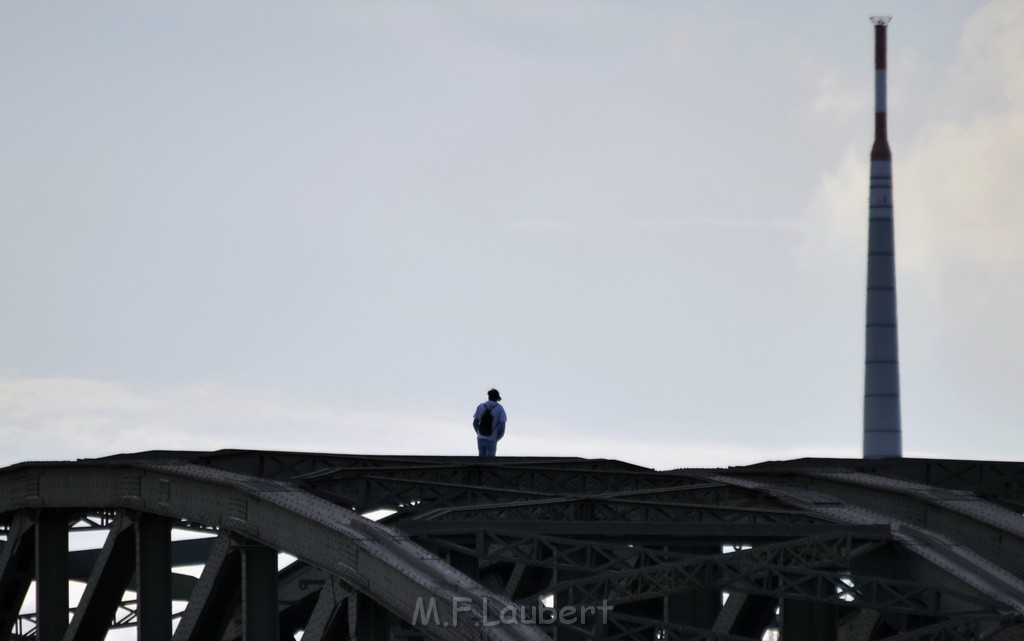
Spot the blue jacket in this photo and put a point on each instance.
(498, 412)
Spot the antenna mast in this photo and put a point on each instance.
(882, 429)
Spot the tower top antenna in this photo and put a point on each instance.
(881, 20)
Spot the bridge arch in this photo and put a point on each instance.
(255, 518)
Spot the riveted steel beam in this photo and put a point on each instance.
(210, 607)
(107, 583)
(17, 559)
(330, 615)
(623, 627)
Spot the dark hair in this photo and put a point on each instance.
(493, 395)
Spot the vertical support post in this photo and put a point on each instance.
(808, 621)
(697, 608)
(259, 593)
(153, 560)
(52, 575)
(746, 614)
(373, 622)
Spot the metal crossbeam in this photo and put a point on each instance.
(599, 509)
(371, 492)
(623, 627)
(641, 531)
(557, 481)
(535, 550)
(782, 571)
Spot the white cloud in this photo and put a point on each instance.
(56, 418)
(992, 50)
(835, 223)
(958, 196)
(839, 99)
(956, 186)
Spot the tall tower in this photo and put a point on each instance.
(882, 431)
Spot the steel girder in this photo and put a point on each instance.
(989, 529)
(784, 570)
(1000, 482)
(574, 479)
(978, 543)
(428, 499)
(623, 627)
(615, 510)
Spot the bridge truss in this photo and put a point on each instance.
(256, 546)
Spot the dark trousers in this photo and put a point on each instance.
(488, 447)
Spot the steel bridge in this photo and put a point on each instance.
(257, 545)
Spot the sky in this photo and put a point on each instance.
(332, 226)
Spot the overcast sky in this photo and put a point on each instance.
(332, 226)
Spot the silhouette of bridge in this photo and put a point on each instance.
(509, 548)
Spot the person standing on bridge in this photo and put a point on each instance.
(489, 424)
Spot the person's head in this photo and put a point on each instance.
(493, 395)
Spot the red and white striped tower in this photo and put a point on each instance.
(882, 430)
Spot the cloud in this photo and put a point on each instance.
(963, 201)
(64, 418)
(61, 418)
(992, 49)
(956, 186)
(839, 99)
(836, 219)
(646, 223)
(961, 174)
